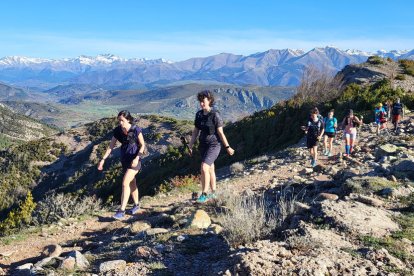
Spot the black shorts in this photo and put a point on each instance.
(311, 142)
(126, 164)
(330, 134)
(209, 153)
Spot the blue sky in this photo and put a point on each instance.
(177, 30)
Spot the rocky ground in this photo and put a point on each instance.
(350, 216)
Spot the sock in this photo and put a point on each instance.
(347, 149)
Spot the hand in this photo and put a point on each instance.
(190, 151)
(100, 165)
(319, 138)
(230, 151)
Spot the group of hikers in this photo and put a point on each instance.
(318, 127)
(208, 127)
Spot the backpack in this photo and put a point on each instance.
(397, 109)
(315, 127)
(133, 139)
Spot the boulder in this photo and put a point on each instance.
(155, 231)
(45, 262)
(69, 263)
(118, 265)
(199, 219)
(327, 196)
(53, 250)
(139, 226)
(370, 200)
(386, 150)
(81, 262)
(217, 229)
(404, 168)
(359, 218)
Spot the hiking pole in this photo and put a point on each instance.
(185, 143)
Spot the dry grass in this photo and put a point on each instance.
(246, 219)
(236, 168)
(57, 206)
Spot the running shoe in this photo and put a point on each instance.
(203, 198)
(119, 215)
(133, 210)
(313, 163)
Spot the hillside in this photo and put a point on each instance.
(180, 101)
(10, 93)
(15, 127)
(345, 215)
(274, 214)
(377, 69)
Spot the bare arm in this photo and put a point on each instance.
(141, 150)
(223, 138)
(194, 136)
(107, 153)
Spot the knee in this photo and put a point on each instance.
(205, 168)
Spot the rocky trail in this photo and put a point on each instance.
(350, 216)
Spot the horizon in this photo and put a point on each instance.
(168, 60)
(178, 31)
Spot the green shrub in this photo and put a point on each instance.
(19, 217)
(408, 66)
(400, 77)
(376, 60)
(181, 183)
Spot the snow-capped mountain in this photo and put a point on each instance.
(273, 67)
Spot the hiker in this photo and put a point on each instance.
(209, 124)
(397, 113)
(380, 117)
(314, 130)
(132, 149)
(349, 125)
(330, 125)
(388, 108)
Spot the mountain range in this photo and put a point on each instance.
(270, 68)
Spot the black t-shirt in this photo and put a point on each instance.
(208, 124)
(129, 142)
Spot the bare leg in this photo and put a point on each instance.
(315, 153)
(325, 143)
(134, 190)
(205, 177)
(352, 143)
(126, 190)
(212, 178)
(330, 141)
